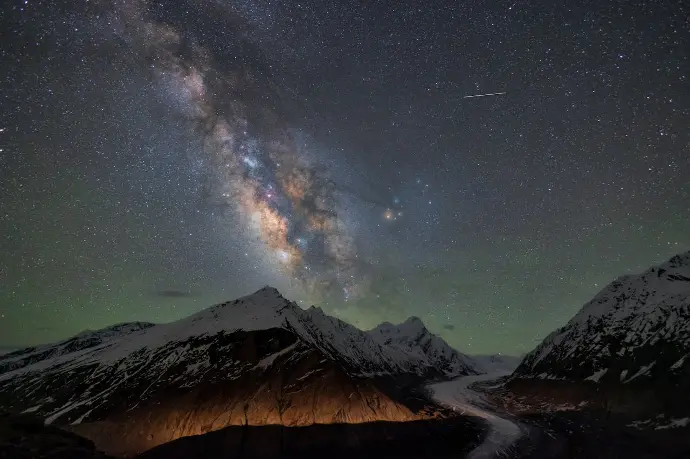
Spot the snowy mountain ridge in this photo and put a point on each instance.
(20, 358)
(421, 353)
(635, 329)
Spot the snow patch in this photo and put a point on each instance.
(548, 376)
(268, 361)
(193, 368)
(660, 423)
(33, 409)
(308, 374)
(683, 422)
(679, 363)
(81, 418)
(644, 369)
(597, 375)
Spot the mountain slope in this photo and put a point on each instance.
(635, 331)
(254, 361)
(87, 339)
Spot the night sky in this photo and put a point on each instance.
(158, 157)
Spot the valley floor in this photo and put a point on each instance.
(458, 394)
(540, 430)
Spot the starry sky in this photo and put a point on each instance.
(158, 157)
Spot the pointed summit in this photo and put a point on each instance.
(268, 291)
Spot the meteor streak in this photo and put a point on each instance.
(484, 95)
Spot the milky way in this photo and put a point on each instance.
(252, 159)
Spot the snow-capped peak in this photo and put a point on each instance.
(660, 283)
(413, 326)
(637, 325)
(268, 292)
(413, 338)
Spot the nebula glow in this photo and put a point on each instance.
(255, 167)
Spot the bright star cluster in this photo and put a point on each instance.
(157, 157)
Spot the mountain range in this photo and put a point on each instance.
(234, 374)
(258, 360)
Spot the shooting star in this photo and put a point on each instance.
(484, 95)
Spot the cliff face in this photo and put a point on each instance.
(259, 360)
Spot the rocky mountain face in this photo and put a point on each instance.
(258, 360)
(634, 333)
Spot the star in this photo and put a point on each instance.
(328, 150)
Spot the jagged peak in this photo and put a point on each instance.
(411, 324)
(413, 321)
(266, 297)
